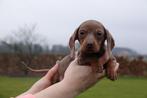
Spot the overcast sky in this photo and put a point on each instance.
(57, 19)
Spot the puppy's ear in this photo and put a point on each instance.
(72, 40)
(110, 42)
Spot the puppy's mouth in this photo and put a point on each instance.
(93, 53)
(91, 50)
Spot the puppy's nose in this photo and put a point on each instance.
(89, 45)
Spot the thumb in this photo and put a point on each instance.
(52, 72)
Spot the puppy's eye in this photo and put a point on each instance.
(99, 34)
(82, 33)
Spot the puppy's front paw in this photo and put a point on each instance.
(111, 74)
(111, 70)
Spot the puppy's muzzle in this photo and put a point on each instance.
(90, 45)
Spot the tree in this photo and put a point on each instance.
(60, 49)
(25, 44)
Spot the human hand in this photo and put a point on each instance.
(77, 78)
(43, 83)
(81, 77)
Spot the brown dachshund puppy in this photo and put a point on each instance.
(93, 51)
(96, 44)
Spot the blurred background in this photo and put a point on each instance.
(37, 32)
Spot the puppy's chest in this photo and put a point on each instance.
(92, 61)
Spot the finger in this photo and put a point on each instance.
(52, 72)
(74, 62)
(58, 61)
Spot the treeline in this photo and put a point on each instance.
(133, 67)
(34, 48)
(10, 64)
(25, 40)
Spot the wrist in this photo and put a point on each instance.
(69, 88)
(30, 91)
(23, 94)
(58, 90)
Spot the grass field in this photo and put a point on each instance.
(125, 87)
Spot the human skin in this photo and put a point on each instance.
(77, 79)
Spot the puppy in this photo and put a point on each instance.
(93, 51)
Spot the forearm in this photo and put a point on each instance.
(59, 90)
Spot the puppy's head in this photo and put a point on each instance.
(91, 35)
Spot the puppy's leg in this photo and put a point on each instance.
(111, 71)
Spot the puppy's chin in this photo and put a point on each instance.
(90, 51)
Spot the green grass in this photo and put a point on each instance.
(125, 87)
(12, 86)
